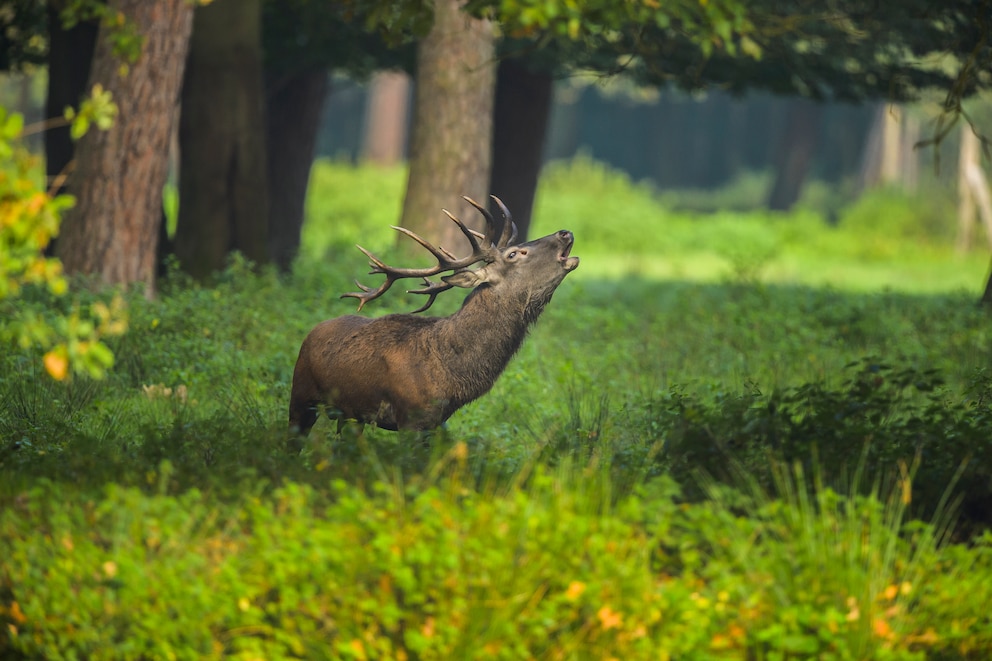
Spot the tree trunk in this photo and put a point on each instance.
(889, 156)
(70, 53)
(222, 171)
(986, 299)
(450, 148)
(113, 230)
(891, 160)
(520, 121)
(909, 161)
(294, 104)
(796, 154)
(386, 118)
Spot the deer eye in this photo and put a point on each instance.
(513, 253)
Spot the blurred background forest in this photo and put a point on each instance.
(702, 151)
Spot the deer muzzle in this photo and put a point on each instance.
(567, 239)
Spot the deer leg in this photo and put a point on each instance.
(302, 416)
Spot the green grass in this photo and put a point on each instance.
(633, 485)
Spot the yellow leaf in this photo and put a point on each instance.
(854, 613)
(575, 590)
(609, 618)
(56, 363)
(358, 648)
(881, 628)
(16, 614)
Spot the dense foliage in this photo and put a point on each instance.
(33, 312)
(736, 466)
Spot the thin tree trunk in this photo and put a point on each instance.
(967, 155)
(386, 118)
(796, 155)
(871, 160)
(891, 144)
(909, 162)
(973, 197)
(294, 105)
(222, 173)
(450, 150)
(520, 121)
(112, 232)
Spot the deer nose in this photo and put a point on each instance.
(565, 235)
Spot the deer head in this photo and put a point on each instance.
(543, 261)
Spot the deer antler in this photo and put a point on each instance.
(484, 251)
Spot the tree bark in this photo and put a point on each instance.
(113, 230)
(294, 104)
(222, 171)
(520, 121)
(796, 154)
(386, 118)
(450, 149)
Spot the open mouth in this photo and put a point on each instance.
(570, 263)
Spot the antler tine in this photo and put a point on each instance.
(490, 237)
(469, 234)
(446, 261)
(509, 235)
(431, 290)
(368, 293)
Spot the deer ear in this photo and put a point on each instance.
(467, 279)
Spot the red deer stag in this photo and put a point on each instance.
(403, 371)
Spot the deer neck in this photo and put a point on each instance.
(483, 335)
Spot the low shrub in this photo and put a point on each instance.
(881, 419)
(443, 569)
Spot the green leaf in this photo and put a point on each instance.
(79, 127)
(13, 127)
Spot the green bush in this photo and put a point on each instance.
(441, 569)
(891, 216)
(880, 418)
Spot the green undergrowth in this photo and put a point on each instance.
(633, 486)
(446, 567)
(725, 466)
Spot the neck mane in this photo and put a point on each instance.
(480, 339)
